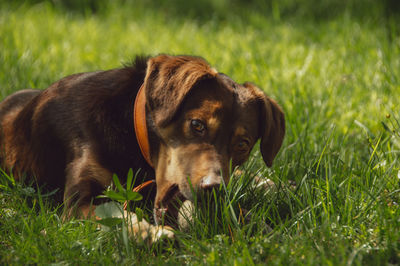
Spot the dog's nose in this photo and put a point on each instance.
(210, 181)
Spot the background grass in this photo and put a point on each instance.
(334, 66)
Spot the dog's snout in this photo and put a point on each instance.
(210, 181)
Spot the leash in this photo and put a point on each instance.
(139, 188)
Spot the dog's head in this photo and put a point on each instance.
(204, 121)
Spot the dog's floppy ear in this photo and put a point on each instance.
(272, 130)
(168, 80)
(272, 125)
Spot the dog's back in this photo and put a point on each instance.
(13, 104)
(10, 108)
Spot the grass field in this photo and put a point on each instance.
(334, 67)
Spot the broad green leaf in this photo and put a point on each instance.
(134, 196)
(110, 222)
(115, 195)
(129, 179)
(108, 210)
(117, 183)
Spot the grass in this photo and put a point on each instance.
(334, 66)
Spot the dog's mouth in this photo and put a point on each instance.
(168, 209)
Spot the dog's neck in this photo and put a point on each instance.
(139, 119)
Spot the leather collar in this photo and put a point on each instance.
(139, 120)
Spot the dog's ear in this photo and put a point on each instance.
(272, 130)
(272, 125)
(168, 80)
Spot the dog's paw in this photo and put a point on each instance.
(185, 215)
(158, 233)
(142, 230)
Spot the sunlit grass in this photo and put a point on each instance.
(337, 79)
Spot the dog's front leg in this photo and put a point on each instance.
(86, 179)
(137, 229)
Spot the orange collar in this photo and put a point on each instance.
(139, 120)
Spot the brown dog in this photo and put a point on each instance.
(190, 122)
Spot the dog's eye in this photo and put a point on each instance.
(198, 126)
(242, 146)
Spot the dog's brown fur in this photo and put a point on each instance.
(78, 132)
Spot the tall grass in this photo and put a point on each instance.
(334, 67)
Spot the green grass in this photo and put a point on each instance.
(334, 66)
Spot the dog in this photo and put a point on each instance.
(174, 118)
